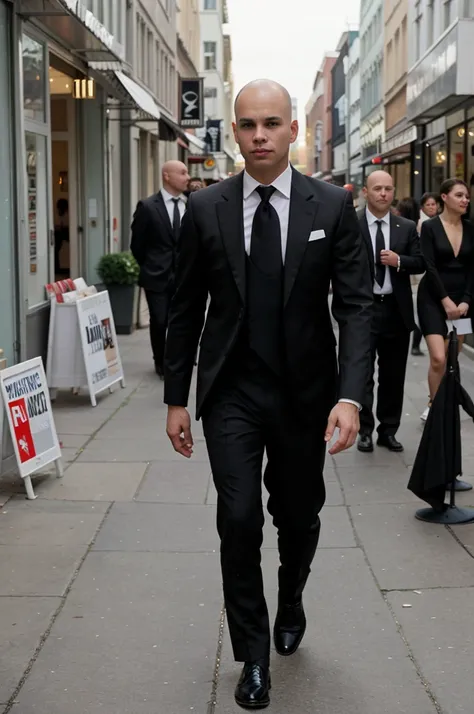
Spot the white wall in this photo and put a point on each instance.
(432, 26)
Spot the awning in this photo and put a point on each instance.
(399, 140)
(229, 154)
(196, 146)
(140, 96)
(75, 26)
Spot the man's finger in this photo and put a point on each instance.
(331, 425)
(187, 438)
(340, 444)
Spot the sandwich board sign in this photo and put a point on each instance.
(99, 343)
(27, 404)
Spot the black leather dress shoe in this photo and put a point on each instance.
(159, 371)
(252, 691)
(390, 443)
(416, 352)
(290, 626)
(365, 443)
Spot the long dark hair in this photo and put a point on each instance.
(408, 208)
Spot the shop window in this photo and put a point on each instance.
(37, 217)
(34, 84)
(438, 154)
(456, 152)
(470, 161)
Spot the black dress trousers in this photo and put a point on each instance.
(390, 341)
(158, 307)
(249, 414)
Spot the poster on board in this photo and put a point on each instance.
(25, 396)
(99, 343)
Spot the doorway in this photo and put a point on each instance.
(65, 170)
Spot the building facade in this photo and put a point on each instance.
(353, 104)
(371, 85)
(319, 119)
(340, 119)
(440, 89)
(216, 69)
(398, 149)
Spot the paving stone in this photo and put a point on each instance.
(159, 528)
(124, 450)
(38, 523)
(438, 627)
(176, 482)
(379, 457)
(351, 659)
(407, 553)
(69, 441)
(95, 482)
(376, 484)
(38, 570)
(137, 635)
(23, 621)
(81, 422)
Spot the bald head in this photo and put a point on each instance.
(261, 90)
(379, 193)
(175, 177)
(378, 177)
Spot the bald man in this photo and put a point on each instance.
(265, 245)
(394, 250)
(155, 231)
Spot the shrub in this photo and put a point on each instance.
(118, 269)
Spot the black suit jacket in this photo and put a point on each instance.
(404, 240)
(212, 260)
(153, 244)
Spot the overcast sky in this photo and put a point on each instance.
(286, 41)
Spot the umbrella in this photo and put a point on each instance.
(439, 458)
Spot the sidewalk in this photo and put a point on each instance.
(110, 595)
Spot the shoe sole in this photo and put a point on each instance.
(365, 449)
(257, 705)
(394, 451)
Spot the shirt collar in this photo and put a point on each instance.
(371, 218)
(168, 197)
(282, 183)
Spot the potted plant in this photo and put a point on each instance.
(119, 273)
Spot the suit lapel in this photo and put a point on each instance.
(395, 231)
(231, 223)
(160, 204)
(303, 209)
(364, 229)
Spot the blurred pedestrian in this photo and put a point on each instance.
(155, 232)
(265, 245)
(430, 207)
(393, 245)
(446, 290)
(195, 184)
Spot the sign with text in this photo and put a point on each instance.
(99, 343)
(191, 102)
(213, 136)
(26, 398)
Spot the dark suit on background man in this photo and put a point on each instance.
(252, 398)
(392, 323)
(155, 233)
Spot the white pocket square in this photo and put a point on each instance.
(316, 235)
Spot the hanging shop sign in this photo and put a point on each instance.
(191, 102)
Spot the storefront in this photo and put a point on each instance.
(397, 159)
(61, 142)
(440, 91)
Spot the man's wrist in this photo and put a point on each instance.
(350, 401)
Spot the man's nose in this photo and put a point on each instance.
(260, 134)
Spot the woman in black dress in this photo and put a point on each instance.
(445, 291)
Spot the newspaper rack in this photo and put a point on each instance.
(82, 346)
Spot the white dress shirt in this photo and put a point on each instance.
(169, 203)
(386, 289)
(280, 200)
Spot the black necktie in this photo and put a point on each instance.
(380, 269)
(176, 218)
(265, 242)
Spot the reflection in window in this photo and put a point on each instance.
(33, 79)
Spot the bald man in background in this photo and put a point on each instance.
(155, 232)
(265, 245)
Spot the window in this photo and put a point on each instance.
(33, 79)
(157, 71)
(149, 76)
(37, 196)
(210, 49)
(469, 9)
(430, 23)
(210, 92)
(209, 4)
(418, 18)
(447, 13)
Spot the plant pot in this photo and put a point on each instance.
(123, 300)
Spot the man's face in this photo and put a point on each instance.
(177, 177)
(379, 192)
(430, 207)
(263, 128)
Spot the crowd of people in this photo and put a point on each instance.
(244, 269)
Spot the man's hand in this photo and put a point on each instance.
(388, 257)
(178, 428)
(463, 307)
(345, 417)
